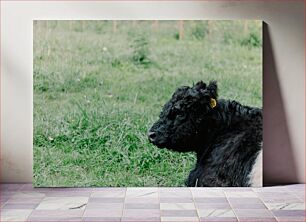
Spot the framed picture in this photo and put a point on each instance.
(147, 103)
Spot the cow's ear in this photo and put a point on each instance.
(212, 89)
(200, 86)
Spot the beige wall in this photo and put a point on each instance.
(284, 83)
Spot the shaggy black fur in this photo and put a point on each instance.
(226, 138)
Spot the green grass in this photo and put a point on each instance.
(96, 93)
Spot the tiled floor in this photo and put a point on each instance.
(20, 202)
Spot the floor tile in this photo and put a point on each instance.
(54, 219)
(7, 194)
(141, 200)
(218, 219)
(57, 213)
(245, 200)
(94, 189)
(271, 197)
(141, 192)
(104, 205)
(141, 206)
(208, 192)
(103, 213)
(27, 187)
(275, 189)
(289, 213)
(296, 186)
(142, 189)
(178, 213)
(14, 214)
(224, 205)
(248, 206)
(176, 200)
(143, 219)
(3, 200)
(62, 203)
(240, 194)
(238, 189)
(299, 195)
(179, 219)
(174, 189)
(141, 213)
(291, 219)
(101, 219)
(175, 192)
(105, 200)
(286, 206)
(256, 219)
(64, 189)
(281, 200)
(216, 213)
(109, 193)
(68, 193)
(10, 186)
(272, 194)
(30, 200)
(20, 206)
(253, 213)
(205, 188)
(26, 194)
(210, 200)
(2, 205)
(177, 206)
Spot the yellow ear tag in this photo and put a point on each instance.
(213, 103)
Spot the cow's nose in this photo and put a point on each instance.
(151, 136)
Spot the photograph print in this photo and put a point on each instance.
(147, 103)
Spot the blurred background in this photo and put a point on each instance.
(99, 86)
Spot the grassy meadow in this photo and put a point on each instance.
(99, 86)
